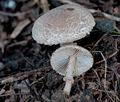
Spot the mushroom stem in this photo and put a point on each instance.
(69, 43)
(69, 75)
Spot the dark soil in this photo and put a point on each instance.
(25, 71)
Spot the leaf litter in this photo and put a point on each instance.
(25, 71)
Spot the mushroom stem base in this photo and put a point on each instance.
(68, 86)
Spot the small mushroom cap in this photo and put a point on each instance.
(63, 24)
(60, 58)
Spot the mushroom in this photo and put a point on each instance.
(65, 24)
(70, 61)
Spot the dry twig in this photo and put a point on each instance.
(22, 75)
(18, 14)
(112, 17)
(105, 75)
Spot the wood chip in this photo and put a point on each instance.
(21, 25)
(45, 5)
(2, 91)
(8, 80)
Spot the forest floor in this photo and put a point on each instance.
(25, 71)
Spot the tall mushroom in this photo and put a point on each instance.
(62, 25)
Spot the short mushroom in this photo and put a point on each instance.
(70, 61)
(65, 24)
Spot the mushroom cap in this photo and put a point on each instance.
(60, 59)
(63, 24)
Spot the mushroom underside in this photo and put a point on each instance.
(60, 59)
